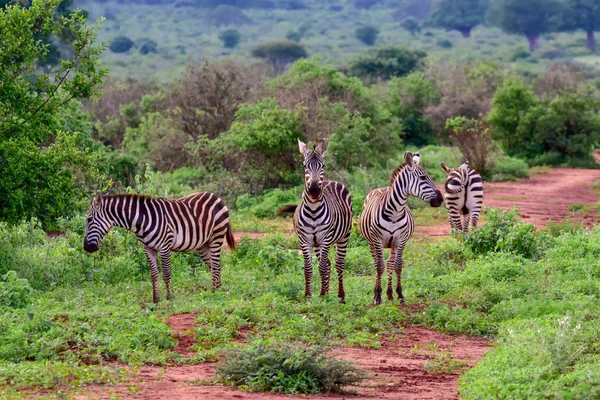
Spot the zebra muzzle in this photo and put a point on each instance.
(90, 247)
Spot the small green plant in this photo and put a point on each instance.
(286, 368)
(14, 292)
(444, 363)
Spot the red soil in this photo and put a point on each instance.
(182, 326)
(397, 370)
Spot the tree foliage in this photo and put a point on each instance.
(411, 25)
(230, 38)
(474, 139)
(459, 15)
(367, 34)
(42, 137)
(280, 53)
(584, 15)
(558, 130)
(120, 44)
(386, 63)
(530, 18)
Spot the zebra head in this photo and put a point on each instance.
(456, 178)
(418, 181)
(314, 168)
(96, 226)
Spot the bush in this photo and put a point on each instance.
(560, 130)
(287, 369)
(367, 34)
(411, 25)
(120, 44)
(230, 38)
(474, 140)
(505, 168)
(444, 44)
(504, 232)
(146, 46)
(408, 99)
(14, 292)
(387, 63)
(295, 36)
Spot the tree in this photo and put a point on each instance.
(224, 15)
(121, 44)
(411, 25)
(280, 53)
(146, 46)
(367, 34)
(584, 15)
(386, 63)
(474, 139)
(530, 18)
(43, 138)
(459, 15)
(230, 38)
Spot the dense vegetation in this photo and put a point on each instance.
(189, 32)
(231, 128)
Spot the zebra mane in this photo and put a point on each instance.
(135, 196)
(396, 172)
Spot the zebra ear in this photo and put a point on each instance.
(444, 167)
(322, 146)
(97, 198)
(417, 158)
(408, 159)
(302, 146)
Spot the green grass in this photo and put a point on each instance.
(536, 295)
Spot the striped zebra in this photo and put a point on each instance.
(323, 218)
(386, 221)
(464, 196)
(199, 222)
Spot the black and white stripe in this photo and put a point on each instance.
(464, 197)
(199, 222)
(386, 221)
(323, 218)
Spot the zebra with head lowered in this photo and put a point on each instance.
(323, 218)
(199, 222)
(464, 197)
(386, 221)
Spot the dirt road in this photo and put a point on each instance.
(542, 198)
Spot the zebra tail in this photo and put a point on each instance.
(229, 237)
(288, 208)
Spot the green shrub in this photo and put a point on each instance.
(146, 46)
(386, 63)
(120, 44)
(280, 53)
(287, 369)
(230, 38)
(14, 292)
(444, 44)
(505, 232)
(267, 204)
(505, 168)
(367, 34)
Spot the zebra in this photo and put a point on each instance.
(323, 218)
(463, 196)
(386, 220)
(199, 221)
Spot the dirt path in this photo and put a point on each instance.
(397, 368)
(542, 198)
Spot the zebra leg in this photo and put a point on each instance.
(205, 256)
(215, 266)
(390, 268)
(307, 253)
(475, 219)
(165, 258)
(398, 265)
(340, 255)
(324, 268)
(466, 222)
(377, 253)
(152, 257)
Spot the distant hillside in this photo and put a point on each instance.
(167, 35)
